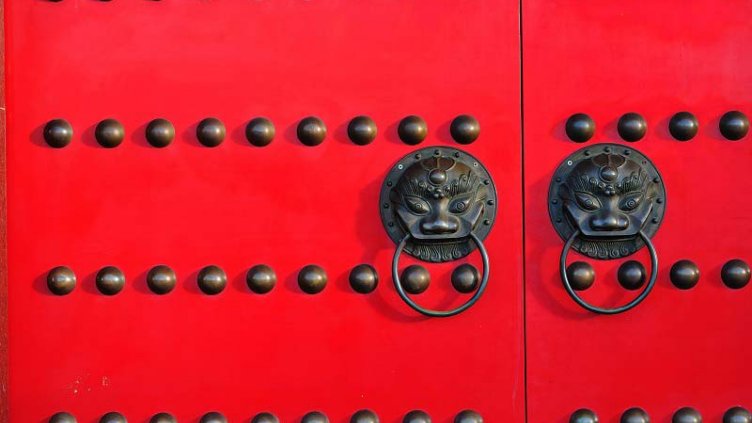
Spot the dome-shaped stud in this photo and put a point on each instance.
(737, 415)
(364, 278)
(464, 129)
(683, 126)
(465, 278)
(261, 279)
(260, 131)
(113, 417)
(161, 279)
(362, 130)
(312, 279)
(364, 416)
(632, 127)
(581, 275)
(412, 130)
(311, 131)
(684, 274)
(109, 133)
(415, 279)
(580, 127)
(468, 416)
(110, 280)
(631, 275)
(583, 415)
(62, 417)
(211, 132)
(265, 417)
(211, 280)
(163, 418)
(734, 125)
(417, 416)
(61, 280)
(686, 415)
(160, 132)
(635, 415)
(735, 274)
(213, 417)
(58, 133)
(315, 417)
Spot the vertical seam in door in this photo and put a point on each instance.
(522, 181)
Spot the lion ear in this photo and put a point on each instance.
(564, 193)
(481, 192)
(394, 196)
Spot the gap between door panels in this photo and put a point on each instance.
(522, 181)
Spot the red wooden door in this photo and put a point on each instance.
(286, 205)
(680, 347)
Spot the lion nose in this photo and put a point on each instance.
(438, 227)
(609, 223)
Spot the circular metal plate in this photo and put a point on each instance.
(607, 175)
(458, 193)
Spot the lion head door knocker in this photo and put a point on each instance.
(438, 204)
(606, 201)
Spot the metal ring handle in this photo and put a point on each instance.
(616, 310)
(439, 313)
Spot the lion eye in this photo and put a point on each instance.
(587, 201)
(460, 204)
(417, 205)
(631, 202)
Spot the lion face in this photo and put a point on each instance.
(608, 196)
(439, 201)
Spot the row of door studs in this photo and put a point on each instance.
(362, 130)
(363, 278)
(260, 131)
(683, 126)
(684, 274)
(360, 416)
(583, 415)
(261, 279)
(683, 415)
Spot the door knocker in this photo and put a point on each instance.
(607, 201)
(438, 205)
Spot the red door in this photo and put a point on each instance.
(679, 347)
(204, 201)
(107, 196)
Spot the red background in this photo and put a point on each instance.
(286, 205)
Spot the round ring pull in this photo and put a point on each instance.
(440, 313)
(584, 304)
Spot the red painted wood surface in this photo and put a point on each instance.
(235, 206)
(678, 348)
(3, 241)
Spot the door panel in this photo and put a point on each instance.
(679, 347)
(236, 205)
